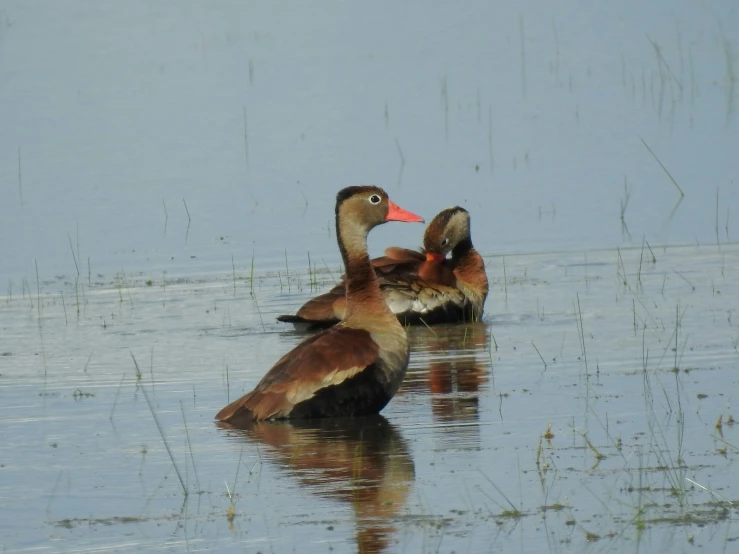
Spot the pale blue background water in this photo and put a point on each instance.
(529, 115)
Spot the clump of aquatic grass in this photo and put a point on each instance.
(659, 447)
(539, 451)
(598, 454)
(548, 433)
(720, 425)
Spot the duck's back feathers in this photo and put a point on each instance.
(327, 362)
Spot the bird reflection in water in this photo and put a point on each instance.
(453, 363)
(363, 462)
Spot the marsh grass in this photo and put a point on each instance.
(540, 356)
(64, 306)
(166, 217)
(259, 313)
(115, 400)
(505, 280)
(581, 332)
(620, 269)
(633, 466)
(251, 276)
(287, 272)
(121, 284)
(159, 426)
(189, 220)
(692, 286)
(39, 319)
(512, 511)
(189, 447)
(598, 454)
(231, 513)
(312, 278)
(672, 465)
(625, 204)
(667, 172)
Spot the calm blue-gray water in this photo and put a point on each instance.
(167, 173)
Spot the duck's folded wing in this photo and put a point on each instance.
(327, 307)
(397, 259)
(404, 254)
(321, 361)
(419, 297)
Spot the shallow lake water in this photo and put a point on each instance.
(168, 174)
(580, 415)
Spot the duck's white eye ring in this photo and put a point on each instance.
(445, 242)
(375, 199)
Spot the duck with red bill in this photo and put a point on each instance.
(355, 367)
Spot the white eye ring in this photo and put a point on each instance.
(375, 199)
(445, 242)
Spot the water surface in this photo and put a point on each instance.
(168, 175)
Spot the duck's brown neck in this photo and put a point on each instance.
(462, 249)
(363, 294)
(469, 267)
(466, 261)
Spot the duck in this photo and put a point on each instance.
(420, 287)
(355, 367)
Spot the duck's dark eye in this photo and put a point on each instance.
(445, 242)
(375, 199)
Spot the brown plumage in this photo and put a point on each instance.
(419, 287)
(356, 367)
